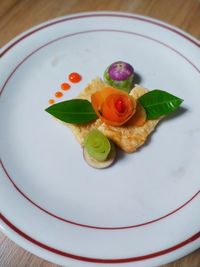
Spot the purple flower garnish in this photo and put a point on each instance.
(120, 71)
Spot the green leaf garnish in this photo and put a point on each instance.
(73, 111)
(158, 103)
(97, 145)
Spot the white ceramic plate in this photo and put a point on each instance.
(144, 210)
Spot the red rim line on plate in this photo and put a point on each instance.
(97, 227)
(148, 20)
(98, 30)
(97, 260)
(60, 218)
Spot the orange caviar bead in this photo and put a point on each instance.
(51, 101)
(58, 94)
(75, 77)
(65, 86)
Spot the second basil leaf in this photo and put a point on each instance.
(158, 103)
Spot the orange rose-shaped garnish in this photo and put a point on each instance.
(113, 106)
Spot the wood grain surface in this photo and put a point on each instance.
(17, 16)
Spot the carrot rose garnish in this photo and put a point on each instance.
(114, 107)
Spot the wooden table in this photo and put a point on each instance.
(17, 16)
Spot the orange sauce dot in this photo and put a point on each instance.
(74, 77)
(58, 94)
(65, 86)
(51, 101)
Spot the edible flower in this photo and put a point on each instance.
(120, 74)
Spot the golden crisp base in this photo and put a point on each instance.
(128, 138)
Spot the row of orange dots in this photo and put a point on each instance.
(73, 77)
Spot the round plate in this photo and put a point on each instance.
(142, 211)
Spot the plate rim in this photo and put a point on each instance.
(14, 41)
(156, 254)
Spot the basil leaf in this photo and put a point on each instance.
(73, 111)
(158, 103)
